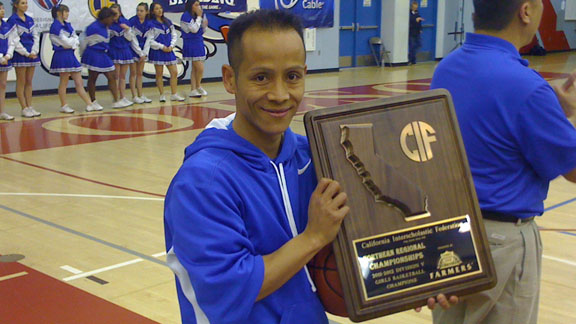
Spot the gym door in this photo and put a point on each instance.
(359, 21)
(428, 10)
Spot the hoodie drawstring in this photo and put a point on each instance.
(288, 209)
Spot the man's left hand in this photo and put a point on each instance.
(566, 93)
(440, 300)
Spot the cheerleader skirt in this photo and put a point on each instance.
(159, 57)
(7, 67)
(65, 61)
(121, 55)
(193, 51)
(95, 60)
(137, 57)
(23, 61)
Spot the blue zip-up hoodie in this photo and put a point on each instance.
(227, 206)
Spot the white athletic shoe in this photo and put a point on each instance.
(97, 105)
(177, 97)
(146, 99)
(92, 107)
(195, 93)
(120, 104)
(66, 110)
(36, 114)
(202, 91)
(163, 98)
(5, 116)
(138, 100)
(27, 113)
(126, 101)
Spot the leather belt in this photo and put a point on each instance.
(500, 217)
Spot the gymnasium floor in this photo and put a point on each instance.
(81, 200)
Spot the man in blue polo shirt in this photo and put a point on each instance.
(518, 138)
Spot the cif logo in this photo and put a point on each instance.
(96, 5)
(423, 135)
(47, 4)
(285, 5)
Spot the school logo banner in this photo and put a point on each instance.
(314, 13)
(47, 4)
(95, 5)
(209, 6)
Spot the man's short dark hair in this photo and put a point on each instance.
(495, 15)
(263, 19)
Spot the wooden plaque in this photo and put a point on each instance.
(414, 228)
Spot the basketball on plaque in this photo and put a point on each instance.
(414, 229)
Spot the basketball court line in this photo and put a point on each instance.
(71, 269)
(81, 178)
(77, 196)
(560, 204)
(14, 275)
(84, 235)
(108, 268)
(81, 274)
(571, 263)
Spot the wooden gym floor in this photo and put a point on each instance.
(81, 201)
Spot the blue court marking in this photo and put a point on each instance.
(560, 204)
(86, 236)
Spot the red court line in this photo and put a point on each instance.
(29, 135)
(39, 298)
(82, 178)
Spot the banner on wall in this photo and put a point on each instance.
(82, 12)
(209, 6)
(314, 13)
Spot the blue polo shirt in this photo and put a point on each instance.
(516, 134)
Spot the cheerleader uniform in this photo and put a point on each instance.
(160, 36)
(122, 43)
(192, 37)
(29, 41)
(139, 30)
(95, 48)
(8, 40)
(64, 42)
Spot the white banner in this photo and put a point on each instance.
(82, 12)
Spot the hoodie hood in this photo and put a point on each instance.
(225, 138)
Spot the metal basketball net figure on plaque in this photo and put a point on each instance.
(414, 228)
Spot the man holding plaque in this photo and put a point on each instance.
(518, 138)
(245, 214)
(240, 224)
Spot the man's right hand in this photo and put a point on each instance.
(567, 95)
(326, 212)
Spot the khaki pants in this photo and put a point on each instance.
(517, 253)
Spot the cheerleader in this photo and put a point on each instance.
(140, 27)
(95, 57)
(8, 39)
(64, 42)
(26, 57)
(163, 37)
(123, 47)
(193, 24)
